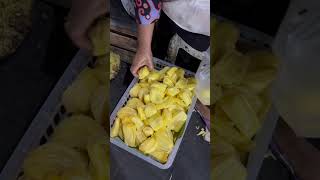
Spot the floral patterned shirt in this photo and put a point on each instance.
(147, 11)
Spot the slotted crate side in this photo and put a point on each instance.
(263, 138)
(159, 64)
(46, 120)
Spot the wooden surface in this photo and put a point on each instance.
(123, 32)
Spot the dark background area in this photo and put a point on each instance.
(28, 75)
(264, 16)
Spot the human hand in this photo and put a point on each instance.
(143, 57)
(81, 16)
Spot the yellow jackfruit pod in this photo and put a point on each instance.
(171, 71)
(137, 121)
(160, 86)
(135, 90)
(126, 112)
(99, 37)
(191, 83)
(140, 136)
(164, 140)
(164, 70)
(144, 84)
(114, 64)
(53, 158)
(134, 103)
(180, 72)
(228, 167)
(179, 118)
(172, 91)
(126, 120)
(167, 117)
(77, 97)
(182, 83)
(149, 145)
(156, 96)
(129, 133)
(115, 128)
(179, 102)
(186, 97)
(148, 131)
(141, 113)
(168, 81)
(146, 98)
(120, 134)
(99, 158)
(154, 76)
(142, 92)
(160, 156)
(98, 105)
(155, 121)
(150, 109)
(143, 72)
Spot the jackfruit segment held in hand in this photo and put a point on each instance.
(76, 98)
(99, 37)
(143, 72)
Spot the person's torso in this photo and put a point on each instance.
(191, 15)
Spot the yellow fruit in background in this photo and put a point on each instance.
(126, 112)
(129, 134)
(99, 105)
(53, 158)
(99, 37)
(77, 96)
(134, 103)
(143, 72)
(115, 128)
(135, 90)
(149, 145)
(150, 109)
(148, 131)
(75, 131)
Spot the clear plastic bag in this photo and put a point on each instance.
(203, 80)
(296, 93)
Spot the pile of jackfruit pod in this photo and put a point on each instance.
(78, 147)
(156, 111)
(240, 83)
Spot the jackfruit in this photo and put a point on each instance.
(115, 128)
(129, 133)
(148, 131)
(141, 113)
(172, 91)
(134, 103)
(150, 109)
(135, 90)
(149, 145)
(164, 140)
(143, 72)
(160, 156)
(140, 136)
(99, 105)
(126, 112)
(155, 121)
(179, 118)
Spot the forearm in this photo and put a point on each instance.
(145, 33)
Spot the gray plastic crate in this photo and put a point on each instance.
(159, 64)
(45, 122)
